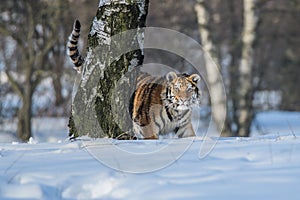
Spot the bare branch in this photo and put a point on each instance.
(14, 84)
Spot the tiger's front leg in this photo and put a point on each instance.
(149, 133)
(145, 132)
(152, 130)
(186, 131)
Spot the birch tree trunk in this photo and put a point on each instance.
(215, 83)
(245, 114)
(100, 105)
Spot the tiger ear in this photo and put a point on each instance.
(195, 78)
(171, 76)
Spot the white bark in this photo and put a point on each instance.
(245, 68)
(215, 82)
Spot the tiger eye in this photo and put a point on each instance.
(190, 89)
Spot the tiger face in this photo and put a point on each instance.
(182, 91)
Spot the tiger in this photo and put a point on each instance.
(162, 105)
(159, 105)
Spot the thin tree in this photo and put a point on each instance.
(215, 84)
(245, 113)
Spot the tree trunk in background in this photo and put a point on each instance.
(215, 84)
(245, 113)
(25, 112)
(57, 86)
(234, 52)
(100, 107)
(24, 117)
(28, 86)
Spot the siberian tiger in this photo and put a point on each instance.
(159, 105)
(163, 105)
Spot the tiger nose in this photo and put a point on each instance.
(183, 99)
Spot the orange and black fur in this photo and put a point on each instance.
(164, 104)
(159, 105)
(72, 46)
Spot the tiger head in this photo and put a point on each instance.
(182, 91)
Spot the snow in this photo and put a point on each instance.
(260, 167)
(45, 130)
(277, 122)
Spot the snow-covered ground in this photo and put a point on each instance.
(44, 130)
(260, 167)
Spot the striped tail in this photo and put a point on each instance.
(72, 45)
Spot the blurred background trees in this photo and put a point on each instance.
(33, 65)
(33, 61)
(240, 80)
(274, 48)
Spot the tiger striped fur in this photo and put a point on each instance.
(72, 46)
(163, 105)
